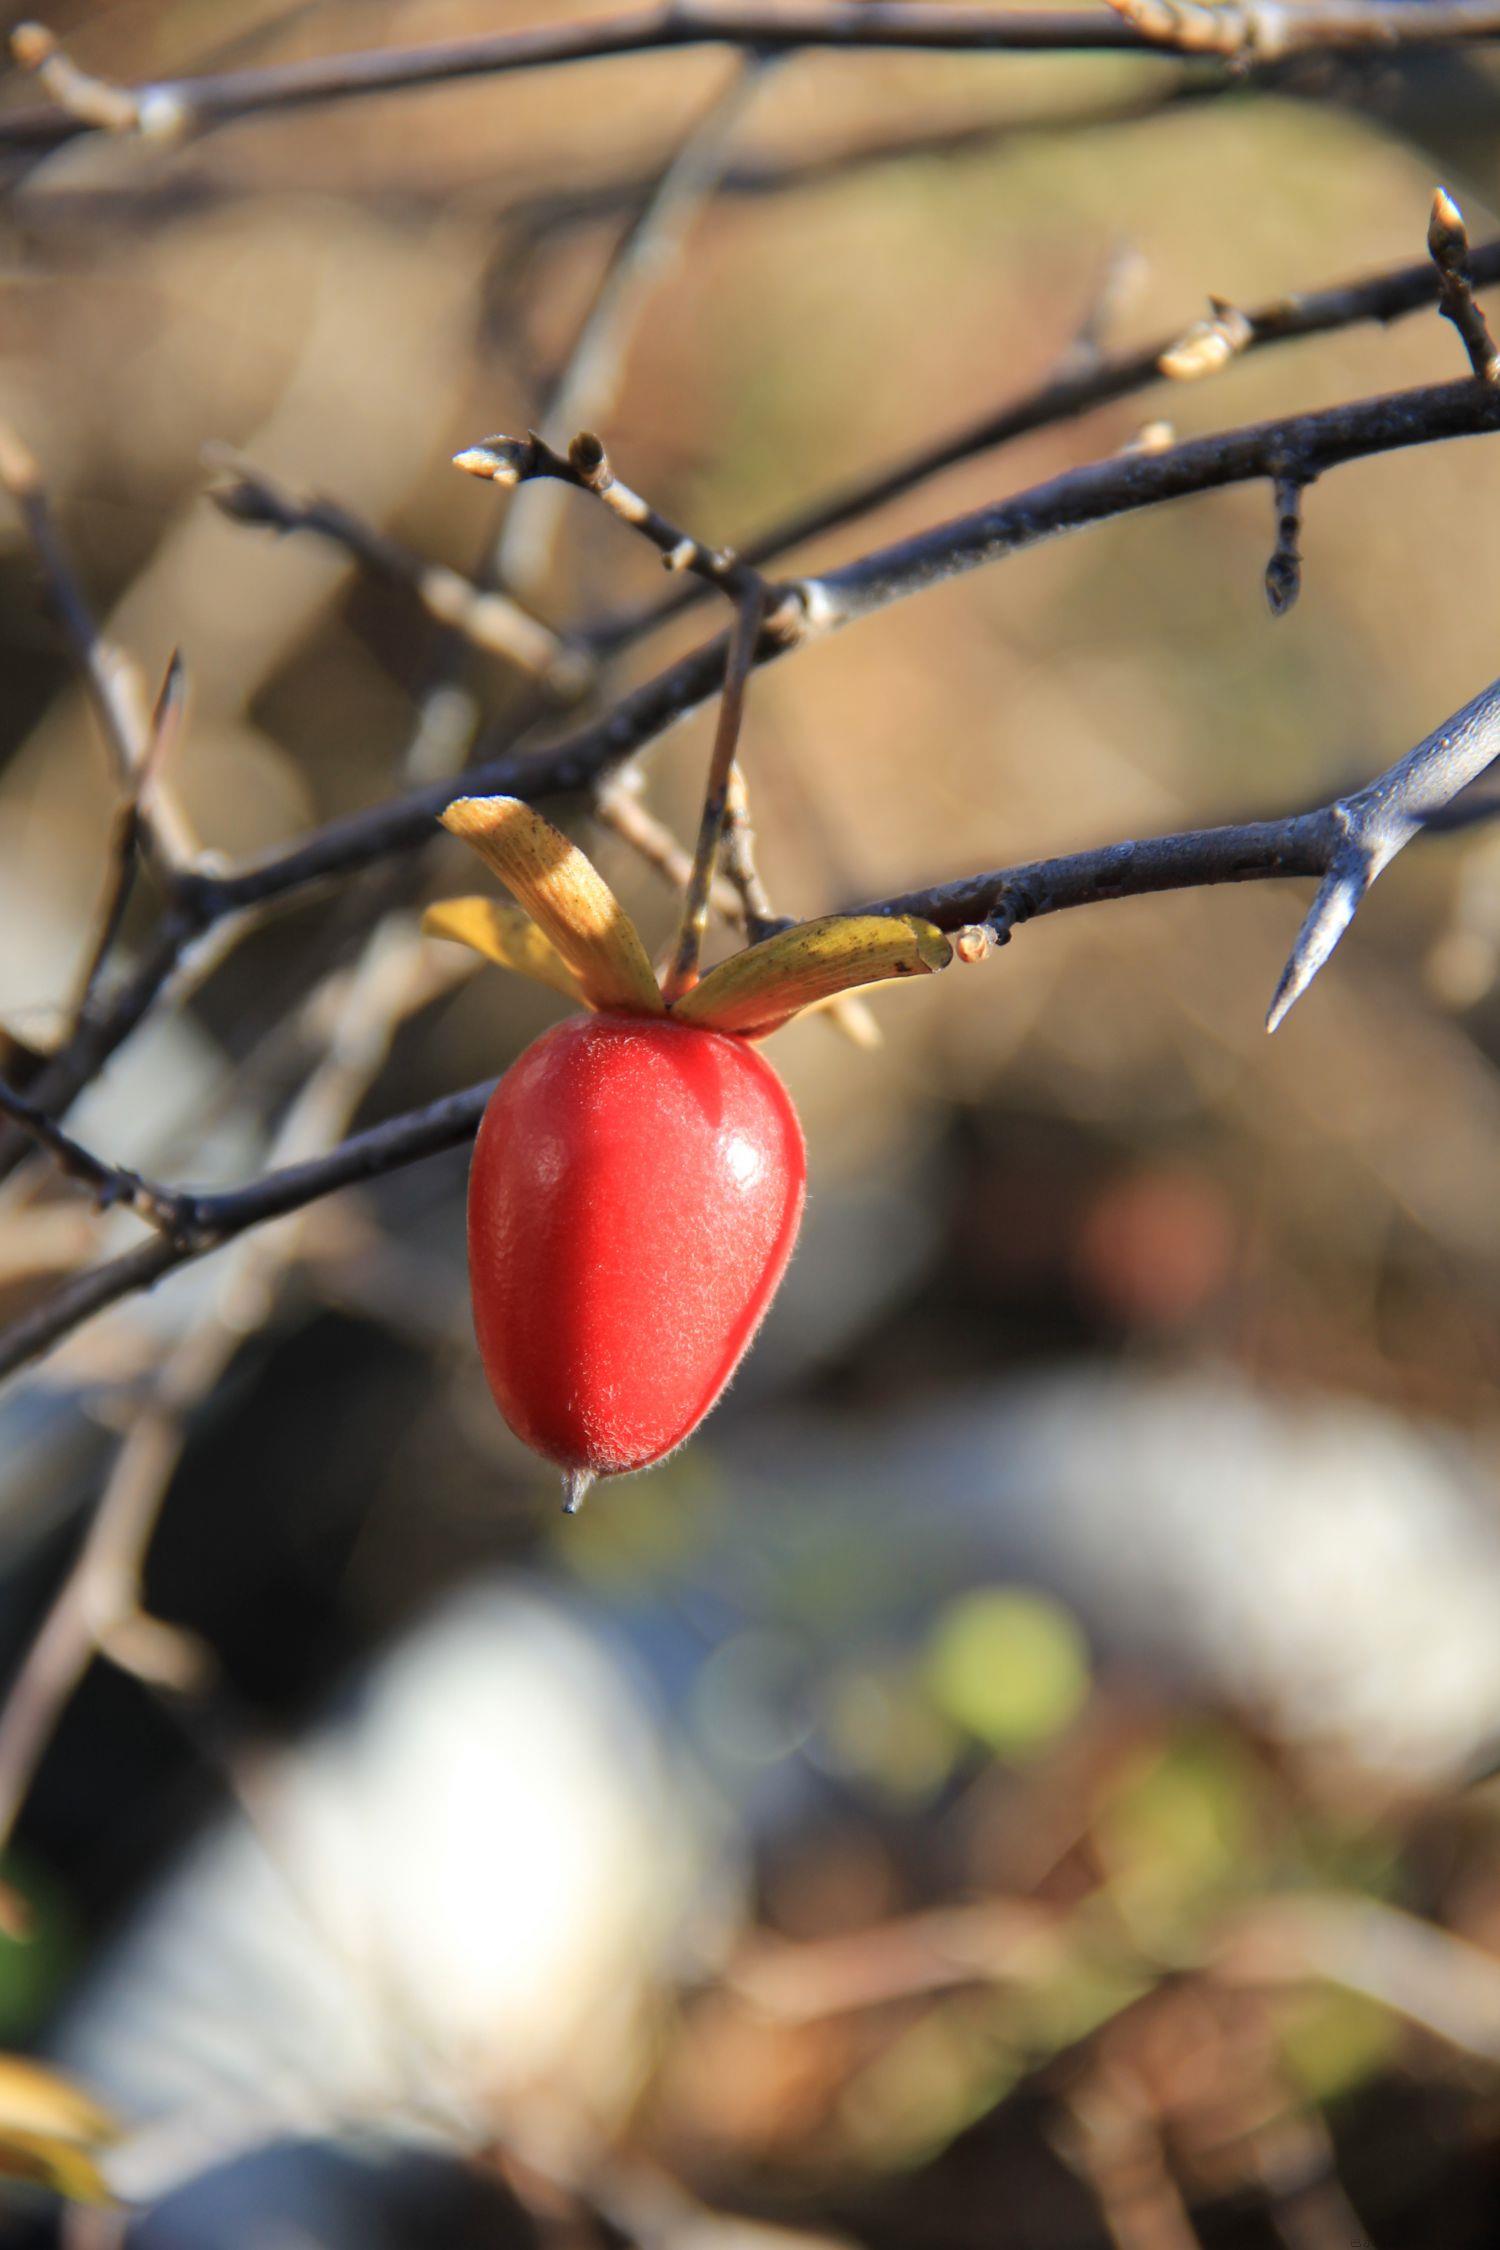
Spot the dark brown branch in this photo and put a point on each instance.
(1250, 30)
(110, 1185)
(1316, 442)
(683, 971)
(133, 838)
(201, 1223)
(771, 26)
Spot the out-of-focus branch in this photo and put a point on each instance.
(1268, 30)
(490, 621)
(1257, 31)
(97, 1610)
(134, 837)
(1347, 842)
(588, 382)
(132, 735)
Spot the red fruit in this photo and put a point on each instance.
(635, 1194)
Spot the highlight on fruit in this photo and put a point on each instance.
(638, 1179)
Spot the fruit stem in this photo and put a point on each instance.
(682, 974)
(576, 1483)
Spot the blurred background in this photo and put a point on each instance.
(1021, 1776)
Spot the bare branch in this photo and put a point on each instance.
(588, 382)
(516, 461)
(761, 920)
(109, 1184)
(1253, 31)
(1316, 441)
(93, 102)
(490, 621)
(134, 837)
(682, 974)
(1101, 490)
(111, 678)
(1382, 297)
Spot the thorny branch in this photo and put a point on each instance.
(202, 908)
(1316, 442)
(1345, 844)
(1348, 842)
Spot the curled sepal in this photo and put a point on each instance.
(753, 993)
(566, 896)
(503, 934)
(51, 2133)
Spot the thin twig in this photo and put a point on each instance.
(682, 972)
(111, 1186)
(619, 806)
(112, 680)
(488, 620)
(133, 837)
(1448, 243)
(588, 382)
(512, 462)
(97, 1611)
(740, 867)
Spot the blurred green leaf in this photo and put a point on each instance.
(1179, 1835)
(1010, 1667)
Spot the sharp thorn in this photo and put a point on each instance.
(1328, 917)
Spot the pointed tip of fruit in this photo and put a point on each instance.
(576, 1484)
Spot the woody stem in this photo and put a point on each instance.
(682, 974)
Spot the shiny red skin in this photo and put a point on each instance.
(635, 1194)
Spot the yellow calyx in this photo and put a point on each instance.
(572, 933)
